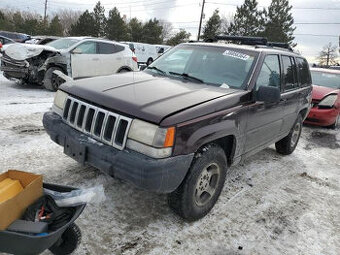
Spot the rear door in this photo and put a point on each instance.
(85, 60)
(290, 92)
(111, 58)
(265, 119)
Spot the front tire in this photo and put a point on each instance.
(288, 144)
(202, 186)
(51, 81)
(69, 242)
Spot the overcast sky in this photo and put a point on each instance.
(186, 13)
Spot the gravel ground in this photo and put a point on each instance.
(271, 204)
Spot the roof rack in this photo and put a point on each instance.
(280, 45)
(249, 40)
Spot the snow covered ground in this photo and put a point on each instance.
(271, 204)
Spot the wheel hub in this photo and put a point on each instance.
(207, 184)
(295, 134)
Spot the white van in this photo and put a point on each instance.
(146, 53)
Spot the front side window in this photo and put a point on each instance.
(63, 43)
(86, 48)
(289, 73)
(216, 66)
(326, 79)
(304, 75)
(270, 72)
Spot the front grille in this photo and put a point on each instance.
(12, 62)
(103, 125)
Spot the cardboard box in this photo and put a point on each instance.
(14, 208)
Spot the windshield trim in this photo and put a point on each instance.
(246, 81)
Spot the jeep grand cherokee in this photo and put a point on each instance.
(177, 126)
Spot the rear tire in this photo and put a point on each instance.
(69, 242)
(51, 81)
(149, 62)
(202, 186)
(288, 144)
(124, 70)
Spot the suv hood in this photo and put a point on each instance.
(143, 95)
(319, 92)
(21, 51)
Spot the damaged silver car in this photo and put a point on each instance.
(67, 58)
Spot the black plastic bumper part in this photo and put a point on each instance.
(157, 175)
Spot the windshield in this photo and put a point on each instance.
(326, 79)
(217, 66)
(63, 43)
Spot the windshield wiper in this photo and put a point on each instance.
(187, 76)
(157, 69)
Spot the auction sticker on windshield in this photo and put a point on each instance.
(236, 54)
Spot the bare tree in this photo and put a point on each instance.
(167, 30)
(328, 55)
(67, 18)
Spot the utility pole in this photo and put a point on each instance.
(45, 12)
(199, 28)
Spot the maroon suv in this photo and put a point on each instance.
(177, 126)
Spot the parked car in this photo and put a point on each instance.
(4, 40)
(325, 98)
(76, 57)
(17, 37)
(42, 39)
(145, 53)
(335, 67)
(177, 126)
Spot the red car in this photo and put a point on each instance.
(325, 109)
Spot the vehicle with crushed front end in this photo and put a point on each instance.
(325, 98)
(178, 126)
(75, 57)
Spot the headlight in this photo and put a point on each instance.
(328, 101)
(150, 139)
(59, 101)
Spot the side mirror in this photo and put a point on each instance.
(161, 51)
(268, 94)
(77, 51)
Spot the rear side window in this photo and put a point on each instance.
(270, 72)
(108, 48)
(289, 73)
(304, 74)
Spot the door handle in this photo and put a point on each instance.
(283, 99)
(95, 59)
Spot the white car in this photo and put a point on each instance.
(76, 57)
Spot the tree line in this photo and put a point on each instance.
(93, 23)
(276, 23)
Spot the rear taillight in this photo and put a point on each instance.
(134, 58)
(0, 45)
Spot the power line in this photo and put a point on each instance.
(296, 8)
(317, 23)
(317, 35)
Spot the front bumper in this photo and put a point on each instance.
(157, 175)
(322, 117)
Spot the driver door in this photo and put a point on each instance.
(265, 120)
(84, 60)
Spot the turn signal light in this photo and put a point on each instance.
(169, 137)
